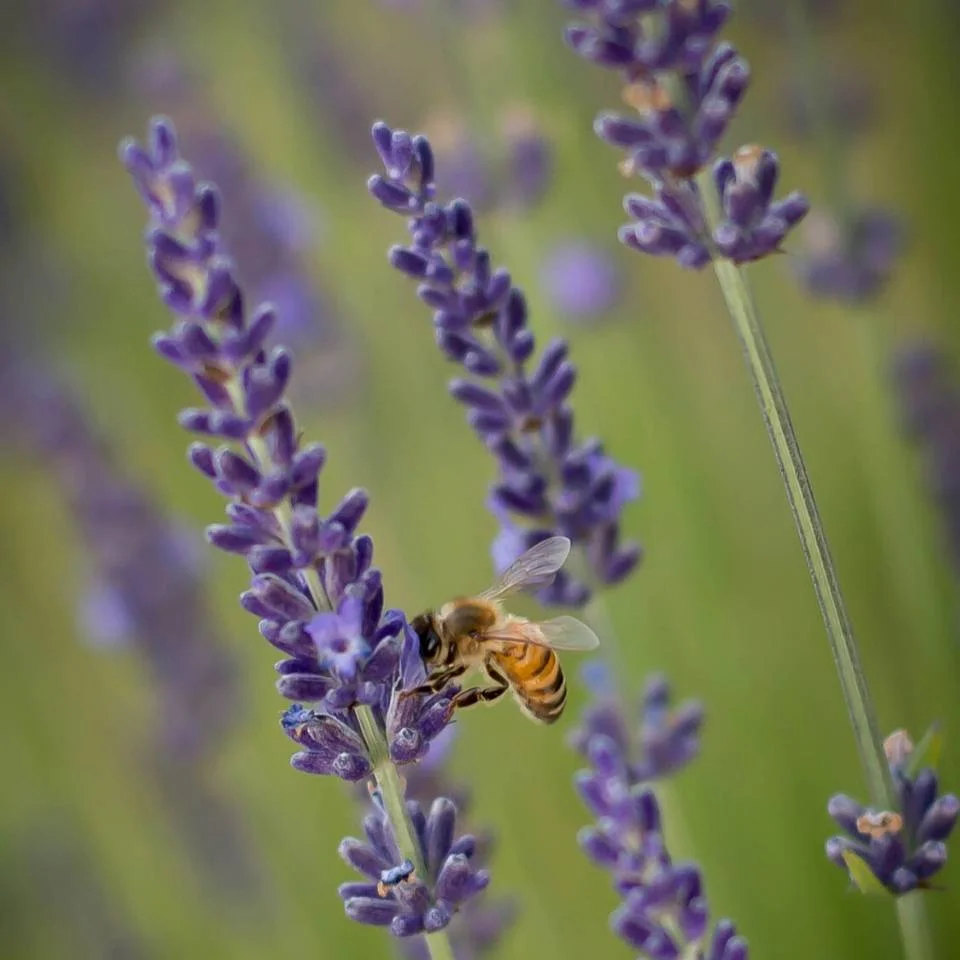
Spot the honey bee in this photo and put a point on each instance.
(514, 653)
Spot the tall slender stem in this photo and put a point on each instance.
(793, 472)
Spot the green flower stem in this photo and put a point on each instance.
(389, 781)
(793, 471)
(392, 788)
(915, 926)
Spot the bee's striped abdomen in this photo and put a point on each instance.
(537, 681)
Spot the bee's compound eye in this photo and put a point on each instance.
(429, 641)
(429, 644)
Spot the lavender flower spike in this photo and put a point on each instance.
(393, 893)
(548, 482)
(685, 88)
(904, 848)
(664, 912)
(318, 597)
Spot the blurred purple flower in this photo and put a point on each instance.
(528, 165)
(548, 483)
(144, 586)
(509, 172)
(581, 280)
(850, 262)
(83, 41)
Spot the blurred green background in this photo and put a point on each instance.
(91, 860)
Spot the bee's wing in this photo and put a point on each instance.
(568, 633)
(560, 633)
(535, 568)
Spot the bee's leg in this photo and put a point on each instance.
(438, 681)
(467, 698)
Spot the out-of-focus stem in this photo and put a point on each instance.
(793, 472)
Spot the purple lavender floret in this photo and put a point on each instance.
(548, 483)
(850, 262)
(669, 225)
(392, 895)
(903, 848)
(664, 911)
(304, 565)
(755, 225)
(268, 228)
(686, 88)
(616, 38)
(670, 140)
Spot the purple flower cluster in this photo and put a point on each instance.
(685, 88)
(395, 896)
(664, 911)
(548, 483)
(580, 280)
(511, 172)
(319, 599)
(849, 249)
(267, 228)
(849, 261)
(902, 848)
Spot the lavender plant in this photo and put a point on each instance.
(318, 597)
(687, 86)
(548, 483)
(556, 486)
(268, 228)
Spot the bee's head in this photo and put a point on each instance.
(424, 627)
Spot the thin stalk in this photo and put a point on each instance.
(389, 781)
(392, 789)
(915, 927)
(793, 472)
